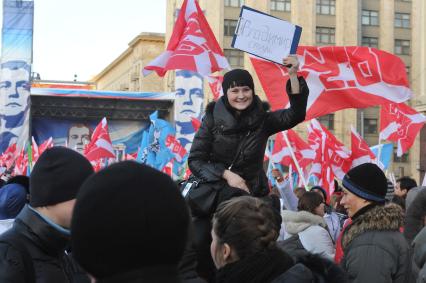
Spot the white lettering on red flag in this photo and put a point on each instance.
(338, 78)
(400, 123)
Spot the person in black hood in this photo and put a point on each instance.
(239, 116)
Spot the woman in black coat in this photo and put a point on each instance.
(229, 147)
(231, 141)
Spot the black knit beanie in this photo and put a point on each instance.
(237, 77)
(57, 176)
(127, 217)
(367, 181)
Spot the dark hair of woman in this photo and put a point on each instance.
(247, 224)
(309, 201)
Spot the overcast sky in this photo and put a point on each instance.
(83, 36)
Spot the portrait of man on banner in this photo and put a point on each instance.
(188, 104)
(14, 101)
(78, 137)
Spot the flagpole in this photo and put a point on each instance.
(294, 159)
(379, 152)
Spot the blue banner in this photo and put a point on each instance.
(15, 72)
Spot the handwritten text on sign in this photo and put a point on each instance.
(265, 36)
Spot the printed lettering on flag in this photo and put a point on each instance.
(192, 45)
(338, 78)
(400, 123)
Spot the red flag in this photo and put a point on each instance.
(192, 45)
(361, 152)
(400, 123)
(9, 155)
(215, 83)
(34, 150)
(338, 78)
(281, 153)
(332, 158)
(45, 145)
(178, 151)
(100, 145)
(196, 124)
(21, 163)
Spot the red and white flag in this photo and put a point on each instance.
(192, 45)
(281, 153)
(400, 123)
(361, 152)
(45, 145)
(332, 158)
(215, 83)
(178, 151)
(100, 145)
(9, 155)
(196, 124)
(338, 78)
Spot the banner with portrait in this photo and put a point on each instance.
(76, 134)
(189, 103)
(15, 72)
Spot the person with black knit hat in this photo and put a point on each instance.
(374, 248)
(229, 147)
(130, 224)
(35, 248)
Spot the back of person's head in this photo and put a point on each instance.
(246, 224)
(299, 191)
(309, 202)
(415, 216)
(406, 183)
(411, 195)
(320, 190)
(12, 199)
(21, 180)
(127, 217)
(57, 176)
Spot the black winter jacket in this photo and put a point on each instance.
(33, 250)
(216, 143)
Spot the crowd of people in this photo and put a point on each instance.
(131, 223)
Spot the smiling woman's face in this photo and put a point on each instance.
(240, 97)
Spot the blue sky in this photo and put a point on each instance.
(83, 36)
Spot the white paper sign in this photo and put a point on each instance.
(265, 36)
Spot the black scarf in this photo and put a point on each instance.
(262, 267)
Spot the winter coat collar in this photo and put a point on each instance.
(147, 274)
(261, 267)
(228, 122)
(379, 218)
(298, 221)
(52, 241)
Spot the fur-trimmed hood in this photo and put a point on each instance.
(380, 218)
(298, 221)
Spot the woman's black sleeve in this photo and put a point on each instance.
(285, 119)
(199, 159)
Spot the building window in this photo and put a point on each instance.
(325, 35)
(326, 7)
(370, 18)
(235, 57)
(370, 41)
(234, 3)
(281, 5)
(405, 0)
(402, 159)
(407, 69)
(402, 47)
(230, 26)
(327, 121)
(402, 20)
(370, 126)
